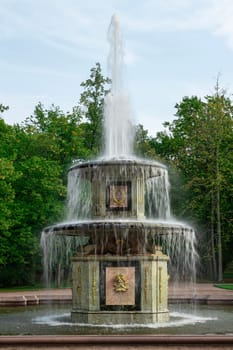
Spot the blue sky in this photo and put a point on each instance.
(173, 48)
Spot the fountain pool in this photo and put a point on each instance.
(56, 320)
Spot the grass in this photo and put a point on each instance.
(22, 288)
(228, 286)
(29, 288)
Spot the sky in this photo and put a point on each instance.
(173, 48)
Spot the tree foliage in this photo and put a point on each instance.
(198, 143)
(32, 193)
(92, 101)
(34, 158)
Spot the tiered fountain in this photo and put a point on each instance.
(120, 223)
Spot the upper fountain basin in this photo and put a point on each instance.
(119, 162)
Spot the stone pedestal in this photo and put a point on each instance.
(110, 289)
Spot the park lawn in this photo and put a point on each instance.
(228, 286)
(30, 288)
(21, 288)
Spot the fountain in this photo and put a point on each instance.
(119, 225)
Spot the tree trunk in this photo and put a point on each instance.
(59, 276)
(214, 265)
(219, 234)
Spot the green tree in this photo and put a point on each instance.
(12, 257)
(34, 158)
(92, 102)
(199, 144)
(31, 196)
(3, 108)
(142, 145)
(59, 135)
(7, 194)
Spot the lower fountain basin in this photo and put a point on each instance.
(125, 236)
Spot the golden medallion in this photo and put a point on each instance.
(120, 283)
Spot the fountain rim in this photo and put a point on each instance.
(102, 162)
(87, 225)
(45, 341)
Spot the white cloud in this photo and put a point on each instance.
(74, 22)
(44, 42)
(221, 15)
(34, 70)
(213, 16)
(52, 21)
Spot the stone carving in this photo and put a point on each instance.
(146, 285)
(120, 283)
(118, 196)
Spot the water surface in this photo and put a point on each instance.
(55, 320)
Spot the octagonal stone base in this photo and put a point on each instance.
(117, 317)
(110, 289)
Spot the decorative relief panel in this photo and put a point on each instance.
(118, 196)
(146, 285)
(120, 285)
